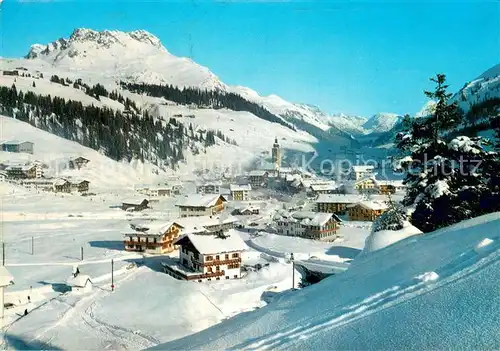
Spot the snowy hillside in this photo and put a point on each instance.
(54, 151)
(116, 54)
(484, 87)
(109, 57)
(420, 287)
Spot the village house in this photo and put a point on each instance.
(247, 211)
(365, 185)
(258, 178)
(201, 205)
(160, 190)
(335, 203)
(366, 210)
(155, 237)
(78, 162)
(11, 73)
(240, 192)
(209, 188)
(17, 146)
(45, 184)
(213, 224)
(207, 257)
(28, 171)
(61, 186)
(79, 185)
(389, 186)
(310, 225)
(325, 188)
(138, 204)
(3, 176)
(358, 172)
(175, 187)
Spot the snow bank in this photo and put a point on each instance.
(434, 292)
(378, 240)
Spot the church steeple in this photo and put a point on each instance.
(276, 154)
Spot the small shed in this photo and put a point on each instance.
(80, 284)
(134, 204)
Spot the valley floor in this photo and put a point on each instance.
(44, 235)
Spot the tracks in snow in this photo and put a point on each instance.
(463, 266)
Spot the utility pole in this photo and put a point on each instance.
(3, 254)
(32, 246)
(112, 276)
(81, 253)
(293, 270)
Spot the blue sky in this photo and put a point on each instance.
(357, 57)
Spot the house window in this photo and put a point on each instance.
(227, 277)
(131, 239)
(208, 258)
(217, 257)
(217, 268)
(235, 255)
(235, 276)
(227, 256)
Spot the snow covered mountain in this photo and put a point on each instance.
(381, 122)
(485, 87)
(413, 294)
(116, 55)
(136, 56)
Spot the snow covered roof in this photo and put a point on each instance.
(14, 142)
(314, 218)
(80, 281)
(318, 220)
(362, 180)
(359, 169)
(395, 183)
(60, 181)
(6, 278)
(211, 244)
(257, 173)
(338, 199)
(198, 200)
(371, 205)
(323, 187)
(136, 201)
(240, 187)
(200, 223)
(210, 183)
(150, 228)
(21, 167)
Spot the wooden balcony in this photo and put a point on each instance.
(220, 262)
(142, 243)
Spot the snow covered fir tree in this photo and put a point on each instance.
(448, 180)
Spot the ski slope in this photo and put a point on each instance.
(438, 291)
(101, 171)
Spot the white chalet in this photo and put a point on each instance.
(209, 187)
(207, 257)
(216, 224)
(201, 205)
(310, 225)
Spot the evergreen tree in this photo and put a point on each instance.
(447, 181)
(34, 85)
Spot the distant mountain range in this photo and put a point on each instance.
(139, 56)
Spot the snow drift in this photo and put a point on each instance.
(383, 238)
(431, 292)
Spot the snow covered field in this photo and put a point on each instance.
(148, 307)
(438, 291)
